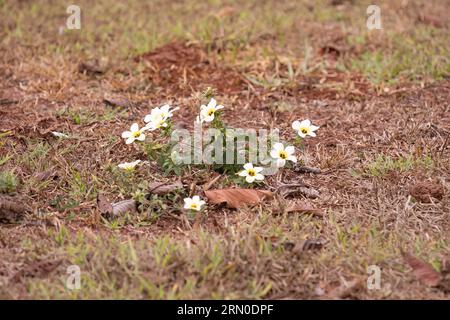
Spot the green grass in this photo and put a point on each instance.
(411, 56)
(384, 164)
(8, 182)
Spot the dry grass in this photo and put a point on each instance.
(381, 99)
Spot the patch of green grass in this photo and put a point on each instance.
(424, 52)
(8, 182)
(35, 157)
(383, 164)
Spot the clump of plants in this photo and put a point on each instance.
(161, 148)
(8, 182)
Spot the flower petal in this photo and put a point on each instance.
(209, 118)
(248, 166)
(281, 163)
(134, 127)
(126, 134)
(249, 179)
(290, 150)
(242, 173)
(305, 123)
(129, 140)
(258, 169)
(212, 103)
(278, 146)
(141, 137)
(296, 125)
(148, 118)
(259, 176)
(274, 154)
(312, 134)
(292, 158)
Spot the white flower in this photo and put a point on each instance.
(134, 134)
(282, 154)
(207, 113)
(304, 128)
(60, 134)
(251, 173)
(129, 166)
(158, 117)
(193, 203)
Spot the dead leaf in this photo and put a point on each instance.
(426, 190)
(104, 205)
(124, 206)
(423, 271)
(304, 208)
(118, 102)
(164, 188)
(237, 198)
(114, 209)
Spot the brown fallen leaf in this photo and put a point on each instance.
(304, 208)
(164, 188)
(118, 102)
(423, 271)
(426, 191)
(12, 209)
(237, 198)
(114, 209)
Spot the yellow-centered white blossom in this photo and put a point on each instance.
(282, 154)
(251, 173)
(304, 128)
(129, 166)
(208, 112)
(193, 203)
(134, 134)
(158, 117)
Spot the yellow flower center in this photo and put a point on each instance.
(193, 206)
(210, 112)
(304, 130)
(136, 134)
(251, 172)
(283, 154)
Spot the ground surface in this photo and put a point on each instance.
(381, 99)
